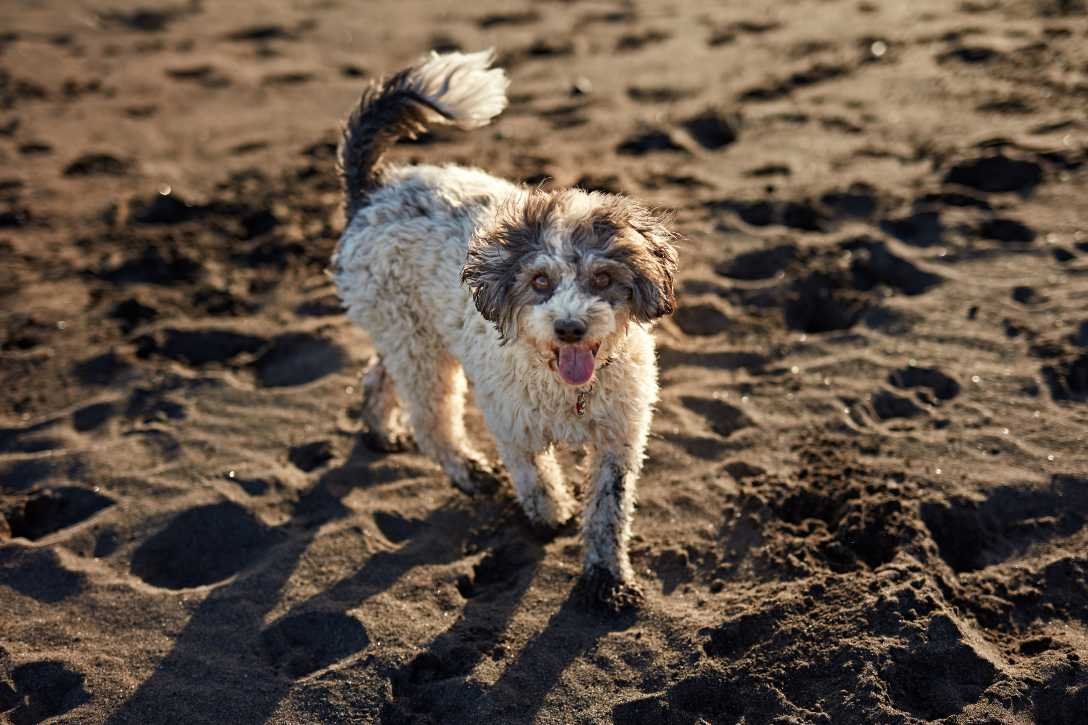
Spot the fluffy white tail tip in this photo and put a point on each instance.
(463, 86)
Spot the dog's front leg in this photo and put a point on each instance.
(606, 529)
(539, 485)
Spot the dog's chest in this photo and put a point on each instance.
(567, 426)
(555, 417)
(538, 416)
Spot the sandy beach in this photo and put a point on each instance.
(866, 492)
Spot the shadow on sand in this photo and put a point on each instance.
(227, 665)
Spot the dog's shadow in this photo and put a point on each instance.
(437, 686)
(227, 664)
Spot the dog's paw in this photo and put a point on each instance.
(547, 530)
(549, 517)
(478, 478)
(601, 590)
(382, 442)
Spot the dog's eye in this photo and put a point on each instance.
(542, 282)
(601, 280)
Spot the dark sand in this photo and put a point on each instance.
(867, 489)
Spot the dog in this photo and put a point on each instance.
(543, 300)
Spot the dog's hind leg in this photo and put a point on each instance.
(386, 425)
(431, 387)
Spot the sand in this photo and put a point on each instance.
(867, 489)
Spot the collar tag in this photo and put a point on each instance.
(580, 402)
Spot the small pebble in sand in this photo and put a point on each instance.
(581, 87)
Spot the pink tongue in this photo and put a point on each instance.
(575, 364)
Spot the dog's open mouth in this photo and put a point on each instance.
(575, 363)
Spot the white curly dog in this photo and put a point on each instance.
(543, 300)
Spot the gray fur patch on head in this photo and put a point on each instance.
(636, 238)
(495, 257)
(572, 226)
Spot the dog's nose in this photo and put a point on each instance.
(569, 330)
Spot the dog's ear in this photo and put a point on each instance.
(654, 284)
(490, 273)
(652, 259)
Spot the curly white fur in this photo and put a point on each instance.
(399, 267)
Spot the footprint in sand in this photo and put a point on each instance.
(723, 418)
(42, 690)
(801, 215)
(38, 574)
(165, 265)
(202, 546)
(261, 33)
(97, 164)
(729, 33)
(148, 20)
(712, 129)
(131, 313)
(496, 20)
(996, 173)
(971, 534)
(652, 140)
(199, 347)
(780, 88)
(637, 41)
(930, 384)
(701, 319)
(1003, 229)
(936, 680)
(760, 264)
(204, 75)
(659, 94)
(302, 644)
(886, 405)
(395, 527)
(297, 359)
(53, 509)
(308, 457)
(92, 417)
(1067, 377)
(499, 570)
(291, 78)
(919, 229)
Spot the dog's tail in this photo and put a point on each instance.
(453, 88)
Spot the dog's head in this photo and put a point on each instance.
(566, 272)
